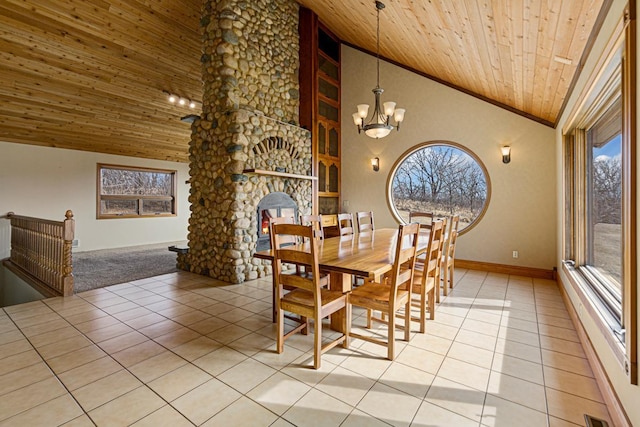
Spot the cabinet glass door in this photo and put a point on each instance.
(322, 176)
(334, 144)
(333, 178)
(322, 138)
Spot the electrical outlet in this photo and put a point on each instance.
(75, 243)
(345, 203)
(515, 254)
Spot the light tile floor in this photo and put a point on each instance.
(183, 350)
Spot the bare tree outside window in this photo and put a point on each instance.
(605, 232)
(441, 178)
(129, 192)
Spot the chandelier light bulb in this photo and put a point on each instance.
(389, 108)
(192, 104)
(172, 99)
(181, 101)
(363, 110)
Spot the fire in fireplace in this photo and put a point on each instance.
(273, 205)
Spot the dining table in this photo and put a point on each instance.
(368, 255)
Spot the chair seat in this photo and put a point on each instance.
(374, 291)
(302, 298)
(323, 279)
(417, 281)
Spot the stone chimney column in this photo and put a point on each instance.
(250, 63)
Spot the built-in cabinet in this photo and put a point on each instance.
(320, 111)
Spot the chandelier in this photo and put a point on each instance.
(378, 125)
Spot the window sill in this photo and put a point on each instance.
(596, 311)
(135, 216)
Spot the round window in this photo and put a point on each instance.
(440, 177)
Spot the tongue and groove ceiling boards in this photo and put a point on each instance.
(90, 74)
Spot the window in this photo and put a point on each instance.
(439, 177)
(597, 180)
(125, 192)
(604, 193)
(599, 221)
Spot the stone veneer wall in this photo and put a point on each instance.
(250, 111)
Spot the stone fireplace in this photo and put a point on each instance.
(247, 144)
(271, 206)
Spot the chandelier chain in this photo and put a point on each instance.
(378, 46)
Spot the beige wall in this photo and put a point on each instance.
(628, 394)
(522, 208)
(45, 182)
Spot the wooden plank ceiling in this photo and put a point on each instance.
(511, 52)
(91, 74)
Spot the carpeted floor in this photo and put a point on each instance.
(95, 269)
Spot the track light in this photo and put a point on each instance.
(179, 100)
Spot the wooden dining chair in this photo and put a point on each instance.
(310, 219)
(316, 221)
(425, 219)
(307, 298)
(426, 275)
(364, 221)
(445, 231)
(448, 254)
(282, 220)
(345, 223)
(389, 298)
(291, 240)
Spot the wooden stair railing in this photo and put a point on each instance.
(41, 252)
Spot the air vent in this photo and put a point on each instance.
(562, 60)
(595, 422)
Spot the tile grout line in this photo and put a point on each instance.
(189, 362)
(278, 368)
(50, 369)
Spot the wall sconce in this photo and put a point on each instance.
(375, 163)
(506, 154)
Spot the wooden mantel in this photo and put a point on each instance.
(280, 174)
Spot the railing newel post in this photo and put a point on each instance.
(67, 266)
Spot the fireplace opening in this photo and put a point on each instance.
(273, 205)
